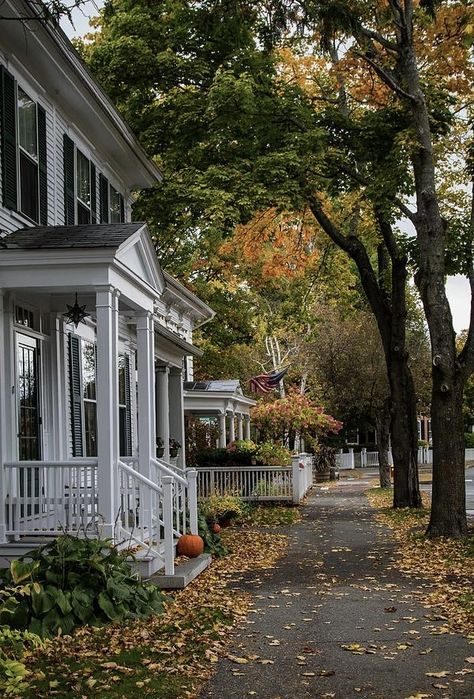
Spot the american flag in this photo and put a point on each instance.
(264, 383)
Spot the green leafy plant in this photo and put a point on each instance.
(218, 508)
(73, 582)
(242, 446)
(212, 541)
(271, 454)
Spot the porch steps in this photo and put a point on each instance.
(15, 549)
(184, 573)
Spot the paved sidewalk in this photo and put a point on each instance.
(337, 586)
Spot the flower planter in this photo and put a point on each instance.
(173, 453)
(160, 451)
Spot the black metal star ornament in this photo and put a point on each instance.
(76, 314)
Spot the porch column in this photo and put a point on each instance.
(177, 411)
(107, 408)
(247, 426)
(3, 426)
(240, 426)
(163, 408)
(222, 431)
(231, 427)
(146, 392)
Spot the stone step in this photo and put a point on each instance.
(184, 573)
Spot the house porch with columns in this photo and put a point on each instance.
(78, 407)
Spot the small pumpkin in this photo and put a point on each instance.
(190, 545)
(216, 528)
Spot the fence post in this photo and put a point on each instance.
(295, 473)
(168, 524)
(363, 457)
(351, 458)
(390, 457)
(192, 501)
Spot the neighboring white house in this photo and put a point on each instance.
(222, 402)
(81, 404)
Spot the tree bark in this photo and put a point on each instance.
(390, 313)
(382, 423)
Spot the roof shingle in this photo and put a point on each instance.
(107, 235)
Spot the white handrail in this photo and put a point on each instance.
(140, 477)
(51, 464)
(168, 471)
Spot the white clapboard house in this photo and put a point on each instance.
(83, 398)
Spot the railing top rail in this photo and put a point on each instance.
(140, 477)
(233, 469)
(71, 463)
(167, 471)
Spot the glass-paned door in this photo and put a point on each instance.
(29, 419)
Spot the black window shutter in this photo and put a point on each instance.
(122, 209)
(104, 198)
(128, 408)
(69, 198)
(8, 139)
(93, 194)
(76, 394)
(43, 166)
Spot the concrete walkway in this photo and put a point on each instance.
(337, 587)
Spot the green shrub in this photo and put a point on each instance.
(217, 508)
(212, 542)
(15, 646)
(271, 454)
(469, 440)
(74, 582)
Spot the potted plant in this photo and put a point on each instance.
(175, 446)
(160, 448)
(324, 461)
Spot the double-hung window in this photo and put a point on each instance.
(83, 392)
(80, 197)
(24, 155)
(112, 204)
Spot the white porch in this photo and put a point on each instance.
(78, 406)
(224, 402)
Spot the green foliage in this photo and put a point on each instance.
(212, 541)
(15, 646)
(242, 446)
(469, 440)
(218, 508)
(271, 454)
(73, 582)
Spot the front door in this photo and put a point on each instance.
(28, 382)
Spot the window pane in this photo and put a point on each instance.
(83, 182)
(88, 370)
(115, 213)
(83, 214)
(90, 420)
(27, 124)
(28, 187)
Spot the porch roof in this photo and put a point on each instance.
(214, 397)
(57, 237)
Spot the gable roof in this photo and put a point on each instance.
(58, 237)
(221, 386)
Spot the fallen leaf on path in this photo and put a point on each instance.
(441, 673)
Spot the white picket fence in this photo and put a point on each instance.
(258, 483)
(370, 459)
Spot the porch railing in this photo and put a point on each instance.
(47, 498)
(258, 483)
(157, 511)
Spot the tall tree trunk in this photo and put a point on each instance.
(390, 312)
(382, 423)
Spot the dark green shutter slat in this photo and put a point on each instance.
(122, 209)
(93, 194)
(43, 166)
(76, 394)
(69, 198)
(128, 408)
(8, 131)
(104, 198)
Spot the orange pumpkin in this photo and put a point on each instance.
(216, 528)
(190, 545)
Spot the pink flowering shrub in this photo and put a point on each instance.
(294, 413)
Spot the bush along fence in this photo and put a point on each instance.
(258, 483)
